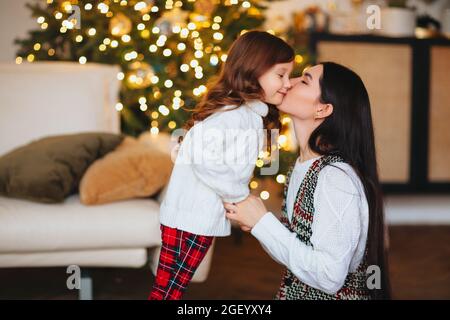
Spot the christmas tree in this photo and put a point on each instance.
(167, 50)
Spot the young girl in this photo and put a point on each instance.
(331, 233)
(217, 156)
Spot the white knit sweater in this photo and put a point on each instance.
(339, 229)
(215, 163)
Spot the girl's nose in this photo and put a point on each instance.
(287, 84)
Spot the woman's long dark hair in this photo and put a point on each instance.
(348, 132)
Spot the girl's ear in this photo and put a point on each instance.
(324, 111)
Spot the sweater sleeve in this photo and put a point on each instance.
(335, 233)
(224, 156)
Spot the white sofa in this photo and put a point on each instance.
(42, 99)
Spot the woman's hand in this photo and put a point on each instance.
(246, 213)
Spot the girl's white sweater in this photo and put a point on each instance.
(215, 163)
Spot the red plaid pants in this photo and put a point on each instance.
(181, 254)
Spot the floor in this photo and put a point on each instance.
(419, 257)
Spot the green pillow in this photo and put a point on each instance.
(49, 169)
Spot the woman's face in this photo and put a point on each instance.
(275, 82)
(302, 101)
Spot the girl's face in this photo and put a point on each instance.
(275, 82)
(303, 100)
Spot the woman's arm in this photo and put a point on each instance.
(336, 228)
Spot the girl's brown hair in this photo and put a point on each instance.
(249, 57)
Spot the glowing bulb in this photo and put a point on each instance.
(246, 4)
(37, 46)
(217, 19)
(140, 6)
(218, 36)
(184, 67)
(114, 43)
(264, 195)
(120, 76)
(194, 63)
(30, 57)
(141, 26)
(198, 54)
(167, 52)
(19, 60)
(253, 184)
(119, 106)
(103, 7)
(88, 7)
(154, 79)
(214, 60)
(172, 124)
(152, 48)
(168, 83)
(82, 60)
(163, 110)
(281, 178)
(155, 30)
(126, 38)
(259, 163)
(40, 20)
(154, 130)
(79, 38)
(92, 32)
(181, 46)
(143, 107)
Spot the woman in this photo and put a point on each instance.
(332, 225)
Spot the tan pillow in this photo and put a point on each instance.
(133, 169)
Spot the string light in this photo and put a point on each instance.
(119, 106)
(181, 46)
(172, 124)
(184, 67)
(281, 178)
(19, 60)
(264, 195)
(253, 184)
(82, 60)
(120, 76)
(92, 32)
(163, 110)
(168, 83)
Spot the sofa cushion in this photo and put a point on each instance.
(134, 169)
(27, 226)
(50, 169)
